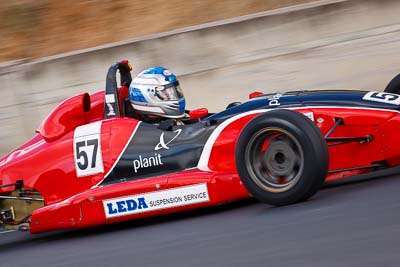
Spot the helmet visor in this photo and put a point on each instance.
(170, 91)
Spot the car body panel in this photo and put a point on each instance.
(93, 168)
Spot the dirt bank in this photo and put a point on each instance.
(36, 28)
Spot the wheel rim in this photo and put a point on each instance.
(274, 159)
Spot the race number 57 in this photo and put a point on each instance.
(87, 150)
(383, 97)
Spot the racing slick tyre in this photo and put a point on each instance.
(281, 157)
(394, 85)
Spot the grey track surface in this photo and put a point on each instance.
(351, 225)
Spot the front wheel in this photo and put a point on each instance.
(281, 157)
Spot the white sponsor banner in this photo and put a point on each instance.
(163, 199)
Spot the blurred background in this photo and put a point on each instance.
(37, 28)
(220, 50)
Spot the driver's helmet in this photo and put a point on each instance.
(156, 92)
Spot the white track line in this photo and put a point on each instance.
(6, 232)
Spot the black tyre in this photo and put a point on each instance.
(281, 157)
(394, 85)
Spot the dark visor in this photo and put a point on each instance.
(170, 91)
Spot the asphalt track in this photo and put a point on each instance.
(348, 225)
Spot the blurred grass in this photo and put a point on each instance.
(36, 28)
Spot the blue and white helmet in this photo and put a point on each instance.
(156, 91)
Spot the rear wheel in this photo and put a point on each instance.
(281, 157)
(394, 85)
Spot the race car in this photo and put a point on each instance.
(92, 162)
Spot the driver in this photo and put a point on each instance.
(155, 95)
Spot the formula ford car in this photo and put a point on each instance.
(93, 163)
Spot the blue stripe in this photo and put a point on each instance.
(305, 98)
(136, 95)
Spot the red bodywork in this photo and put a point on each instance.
(46, 163)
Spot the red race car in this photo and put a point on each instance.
(93, 163)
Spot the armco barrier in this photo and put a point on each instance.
(324, 44)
